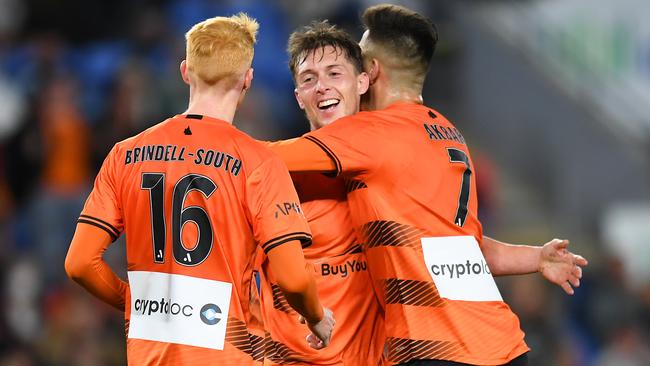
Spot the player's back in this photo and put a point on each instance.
(343, 283)
(416, 211)
(195, 203)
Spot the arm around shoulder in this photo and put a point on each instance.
(302, 155)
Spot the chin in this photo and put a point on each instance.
(319, 124)
(322, 122)
(328, 121)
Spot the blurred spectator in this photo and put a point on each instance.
(627, 347)
(65, 176)
(529, 298)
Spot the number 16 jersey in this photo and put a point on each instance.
(195, 198)
(412, 195)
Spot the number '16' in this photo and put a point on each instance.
(155, 184)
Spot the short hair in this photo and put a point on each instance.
(406, 38)
(318, 35)
(221, 48)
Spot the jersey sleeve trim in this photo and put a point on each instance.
(110, 229)
(328, 151)
(305, 240)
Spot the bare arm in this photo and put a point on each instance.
(553, 260)
(84, 265)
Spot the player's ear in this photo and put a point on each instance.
(299, 99)
(363, 82)
(248, 79)
(184, 75)
(373, 71)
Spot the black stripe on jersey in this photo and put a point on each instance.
(412, 292)
(258, 345)
(329, 152)
(305, 240)
(402, 350)
(353, 185)
(100, 221)
(279, 301)
(194, 116)
(355, 249)
(279, 353)
(238, 335)
(390, 233)
(93, 223)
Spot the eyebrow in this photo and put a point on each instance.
(311, 71)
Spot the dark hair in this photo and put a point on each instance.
(403, 33)
(317, 35)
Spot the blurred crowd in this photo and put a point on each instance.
(78, 76)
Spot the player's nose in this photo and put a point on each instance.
(322, 86)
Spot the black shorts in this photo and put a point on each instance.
(519, 361)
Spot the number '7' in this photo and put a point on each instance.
(459, 156)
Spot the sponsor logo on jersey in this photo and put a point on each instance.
(459, 270)
(456, 270)
(287, 208)
(210, 314)
(164, 306)
(343, 270)
(178, 309)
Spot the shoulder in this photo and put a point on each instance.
(147, 133)
(361, 117)
(381, 117)
(255, 153)
(352, 125)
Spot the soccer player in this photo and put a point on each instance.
(326, 66)
(415, 209)
(196, 198)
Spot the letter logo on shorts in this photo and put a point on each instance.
(210, 314)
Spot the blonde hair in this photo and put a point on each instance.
(221, 48)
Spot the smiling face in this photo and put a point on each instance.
(328, 86)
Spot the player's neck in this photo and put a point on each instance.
(218, 104)
(382, 99)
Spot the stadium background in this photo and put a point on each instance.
(553, 97)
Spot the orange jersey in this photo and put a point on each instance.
(343, 282)
(414, 204)
(196, 198)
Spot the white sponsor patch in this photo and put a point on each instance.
(179, 309)
(459, 269)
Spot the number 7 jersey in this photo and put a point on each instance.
(195, 198)
(412, 195)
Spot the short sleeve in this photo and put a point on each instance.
(103, 207)
(274, 206)
(354, 143)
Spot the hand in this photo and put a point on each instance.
(321, 332)
(560, 266)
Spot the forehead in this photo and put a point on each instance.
(323, 57)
